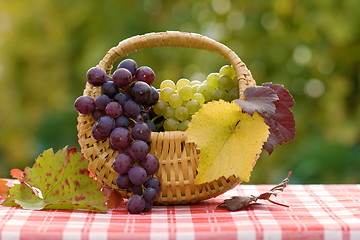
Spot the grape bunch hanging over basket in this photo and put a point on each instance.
(148, 143)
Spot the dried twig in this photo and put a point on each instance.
(238, 202)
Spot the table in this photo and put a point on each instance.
(315, 212)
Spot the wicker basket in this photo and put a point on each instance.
(178, 158)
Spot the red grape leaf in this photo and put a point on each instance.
(17, 173)
(3, 188)
(58, 181)
(282, 123)
(284, 95)
(271, 101)
(271, 142)
(258, 99)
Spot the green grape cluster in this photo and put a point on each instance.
(179, 101)
(224, 84)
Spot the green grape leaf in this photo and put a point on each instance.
(58, 181)
(229, 140)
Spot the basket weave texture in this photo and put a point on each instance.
(178, 158)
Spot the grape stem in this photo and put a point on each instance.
(155, 118)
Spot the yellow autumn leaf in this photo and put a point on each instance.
(228, 139)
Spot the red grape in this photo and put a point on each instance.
(96, 76)
(145, 74)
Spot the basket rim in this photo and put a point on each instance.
(179, 39)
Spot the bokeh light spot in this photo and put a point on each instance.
(314, 88)
(221, 6)
(216, 31)
(4, 21)
(269, 21)
(200, 11)
(235, 21)
(302, 55)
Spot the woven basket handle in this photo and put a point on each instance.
(179, 39)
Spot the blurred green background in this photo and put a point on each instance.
(311, 47)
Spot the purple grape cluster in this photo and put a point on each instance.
(122, 113)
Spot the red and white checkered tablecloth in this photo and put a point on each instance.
(315, 212)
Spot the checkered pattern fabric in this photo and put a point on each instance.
(315, 212)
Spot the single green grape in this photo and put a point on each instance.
(199, 98)
(212, 80)
(183, 125)
(195, 87)
(167, 83)
(175, 100)
(159, 107)
(193, 106)
(184, 103)
(225, 82)
(205, 90)
(181, 113)
(182, 82)
(171, 124)
(227, 70)
(233, 93)
(194, 82)
(186, 92)
(166, 93)
(169, 112)
(216, 94)
(220, 94)
(235, 82)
